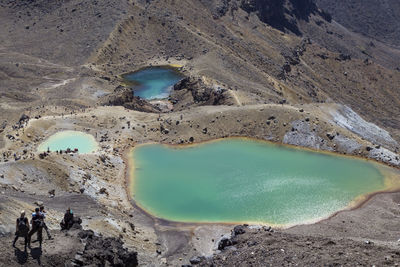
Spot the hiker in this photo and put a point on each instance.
(43, 215)
(68, 220)
(37, 226)
(22, 228)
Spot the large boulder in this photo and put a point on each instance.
(193, 91)
(101, 251)
(119, 97)
(123, 96)
(141, 104)
(239, 230)
(225, 242)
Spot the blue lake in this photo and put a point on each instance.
(153, 82)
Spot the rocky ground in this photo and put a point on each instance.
(75, 247)
(263, 247)
(285, 72)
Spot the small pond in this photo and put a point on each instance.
(85, 143)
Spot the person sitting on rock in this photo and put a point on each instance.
(22, 228)
(37, 226)
(43, 215)
(68, 220)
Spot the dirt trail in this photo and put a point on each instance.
(53, 253)
(235, 97)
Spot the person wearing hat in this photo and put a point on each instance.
(68, 220)
(22, 228)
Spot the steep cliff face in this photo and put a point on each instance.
(271, 12)
(378, 19)
(283, 14)
(280, 14)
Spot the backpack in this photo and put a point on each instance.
(37, 220)
(22, 226)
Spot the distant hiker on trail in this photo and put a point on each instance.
(22, 228)
(37, 226)
(43, 215)
(68, 220)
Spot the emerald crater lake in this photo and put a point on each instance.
(153, 82)
(241, 180)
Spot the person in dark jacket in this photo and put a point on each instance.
(68, 220)
(22, 228)
(37, 226)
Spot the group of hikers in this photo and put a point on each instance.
(37, 224)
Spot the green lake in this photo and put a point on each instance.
(241, 180)
(85, 143)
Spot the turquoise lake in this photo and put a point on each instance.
(85, 143)
(153, 82)
(242, 180)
